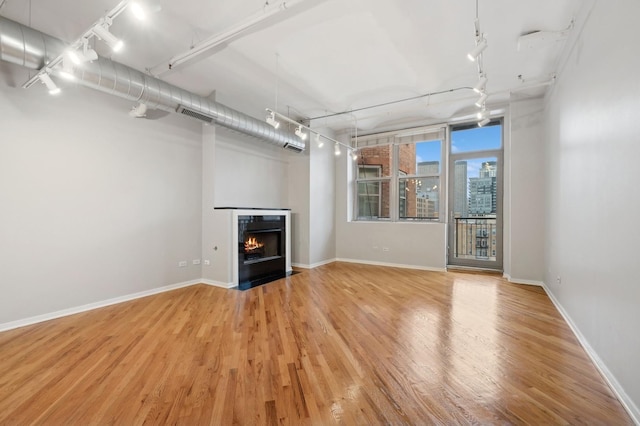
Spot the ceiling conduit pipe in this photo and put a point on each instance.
(33, 49)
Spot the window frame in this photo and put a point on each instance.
(379, 179)
(394, 140)
(416, 176)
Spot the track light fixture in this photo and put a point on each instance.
(482, 84)
(300, 133)
(303, 132)
(139, 111)
(484, 122)
(46, 80)
(481, 101)
(67, 70)
(484, 117)
(79, 57)
(476, 56)
(79, 51)
(102, 31)
(481, 44)
(143, 8)
(138, 10)
(271, 119)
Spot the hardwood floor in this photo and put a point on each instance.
(342, 343)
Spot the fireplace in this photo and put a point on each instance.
(261, 249)
(247, 246)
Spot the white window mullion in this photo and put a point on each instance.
(393, 202)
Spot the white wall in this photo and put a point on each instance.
(312, 200)
(592, 235)
(94, 204)
(249, 173)
(524, 205)
(209, 225)
(299, 171)
(322, 184)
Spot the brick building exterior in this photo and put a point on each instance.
(380, 157)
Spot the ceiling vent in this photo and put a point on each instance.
(295, 148)
(194, 114)
(30, 48)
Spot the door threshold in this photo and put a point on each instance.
(477, 270)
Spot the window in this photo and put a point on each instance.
(402, 194)
(399, 176)
(465, 141)
(419, 177)
(372, 191)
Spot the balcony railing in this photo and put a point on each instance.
(475, 238)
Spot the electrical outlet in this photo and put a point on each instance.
(196, 261)
(559, 280)
(182, 264)
(207, 262)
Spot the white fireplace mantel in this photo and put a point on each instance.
(225, 247)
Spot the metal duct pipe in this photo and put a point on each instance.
(30, 48)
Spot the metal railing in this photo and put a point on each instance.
(475, 238)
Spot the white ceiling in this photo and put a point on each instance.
(326, 56)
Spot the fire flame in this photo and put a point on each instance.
(252, 244)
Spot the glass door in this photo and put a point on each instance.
(475, 197)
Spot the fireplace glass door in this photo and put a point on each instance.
(261, 249)
(261, 245)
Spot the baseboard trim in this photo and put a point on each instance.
(521, 281)
(392, 265)
(618, 390)
(216, 283)
(88, 307)
(313, 265)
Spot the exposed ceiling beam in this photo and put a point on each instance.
(197, 51)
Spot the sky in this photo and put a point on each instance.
(474, 139)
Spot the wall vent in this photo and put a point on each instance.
(191, 113)
(30, 48)
(294, 148)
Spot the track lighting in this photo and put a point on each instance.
(143, 8)
(139, 111)
(86, 55)
(319, 141)
(484, 117)
(79, 51)
(271, 119)
(46, 80)
(482, 84)
(67, 70)
(480, 46)
(300, 133)
(102, 31)
(79, 58)
(138, 11)
(336, 149)
(74, 56)
(481, 100)
(354, 155)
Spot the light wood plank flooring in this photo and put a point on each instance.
(342, 343)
